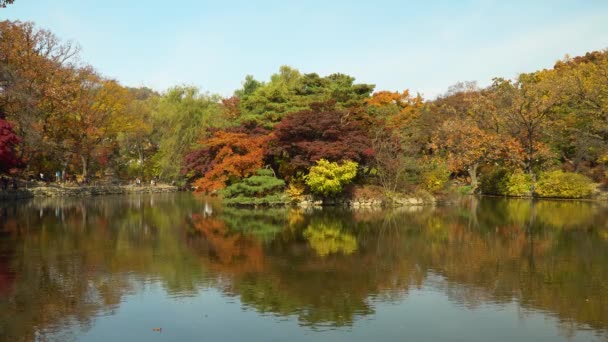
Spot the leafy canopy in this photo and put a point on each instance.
(8, 141)
(226, 157)
(262, 188)
(320, 132)
(328, 178)
(290, 91)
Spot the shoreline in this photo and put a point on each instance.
(53, 190)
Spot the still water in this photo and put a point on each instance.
(173, 267)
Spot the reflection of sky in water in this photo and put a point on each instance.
(425, 314)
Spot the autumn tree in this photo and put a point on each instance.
(394, 109)
(527, 108)
(97, 114)
(582, 133)
(472, 131)
(467, 101)
(321, 132)
(226, 157)
(231, 108)
(467, 147)
(36, 75)
(139, 143)
(8, 142)
(391, 117)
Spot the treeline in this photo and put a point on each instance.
(545, 132)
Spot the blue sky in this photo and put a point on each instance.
(425, 46)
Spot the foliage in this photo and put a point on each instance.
(69, 117)
(139, 144)
(321, 132)
(290, 91)
(435, 176)
(328, 178)
(98, 108)
(467, 147)
(518, 184)
(501, 182)
(580, 133)
(394, 110)
(389, 159)
(226, 157)
(391, 118)
(527, 106)
(495, 182)
(262, 188)
(181, 116)
(38, 79)
(564, 185)
(295, 192)
(8, 142)
(465, 189)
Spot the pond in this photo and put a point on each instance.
(174, 267)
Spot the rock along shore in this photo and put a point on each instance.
(369, 203)
(81, 191)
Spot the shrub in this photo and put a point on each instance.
(263, 188)
(518, 184)
(495, 182)
(501, 182)
(295, 192)
(465, 189)
(564, 185)
(435, 177)
(328, 178)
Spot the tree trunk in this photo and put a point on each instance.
(473, 174)
(85, 162)
(532, 182)
(141, 161)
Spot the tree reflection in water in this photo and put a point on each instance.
(64, 262)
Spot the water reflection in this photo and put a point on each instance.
(65, 262)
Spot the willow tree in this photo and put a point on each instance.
(181, 116)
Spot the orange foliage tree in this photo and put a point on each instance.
(390, 116)
(226, 156)
(394, 109)
(36, 72)
(97, 115)
(467, 147)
